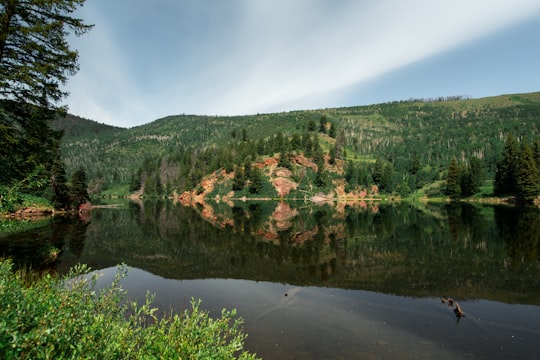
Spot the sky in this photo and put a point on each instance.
(144, 60)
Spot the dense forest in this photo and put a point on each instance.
(400, 147)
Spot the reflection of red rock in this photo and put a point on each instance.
(321, 199)
(304, 236)
(284, 186)
(85, 212)
(283, 212)
(281, 218)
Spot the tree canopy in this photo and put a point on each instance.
(35, 57)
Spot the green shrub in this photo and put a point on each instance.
(68, 318)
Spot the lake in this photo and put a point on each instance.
(321, 282)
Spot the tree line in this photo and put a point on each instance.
(517, 172)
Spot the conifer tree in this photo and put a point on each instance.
(527, 177)
(35, 63)
(35, 58)
(536, 151)
(255, 181)
(453, 188)
(472, 177)
(239, 179)
(322, 124)
(505, 176)
(61, 198)
(332, 131)
(79, 188)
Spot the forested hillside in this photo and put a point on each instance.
(399, 146)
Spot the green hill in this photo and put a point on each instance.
(76, 126)
(409, 144)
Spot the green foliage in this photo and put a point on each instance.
(79, 186)
(74, 126)
(517, 172)
(255, 181)
(453, 187)
(69, 319)
(464, 180)
(35, 58)
(472, 177)
(527, 174)
(61, 197)
(505, 177)
(13, 195)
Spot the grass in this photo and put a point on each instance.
(434, 191)
(120, 190)
(35, 201)
(68, 318)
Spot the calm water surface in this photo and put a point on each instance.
(361, 282)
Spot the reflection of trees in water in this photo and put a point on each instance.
(400, 249)
(32, 249)
(520, 229)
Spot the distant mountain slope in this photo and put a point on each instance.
(75, 126)
(418, 138)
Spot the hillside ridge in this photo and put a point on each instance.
(400, 146)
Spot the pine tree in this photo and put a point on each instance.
(61, 198)
(536, 151)
(453, 180)
(332, 131)
(239, 179)
(505, 176)
(35, 63)
(78, 190)
(322, 124)
(255, 181)
(311, 125)
(35, 58)
(472, 177)
(527, 177)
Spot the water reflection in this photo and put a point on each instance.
(331, 323)
(360, 281)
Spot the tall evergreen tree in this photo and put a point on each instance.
(79, 188)
(255, 181)
(527, 177)
(35, 63)
(536, 151)
(61, 197)
(239, 179)
(377, 171)
(332, 131)
(322, 124)
(453, 187)
(505, 176)
(311, 125)
(472, 177)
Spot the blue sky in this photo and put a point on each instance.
(149, 59)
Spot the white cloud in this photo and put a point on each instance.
(273, 55)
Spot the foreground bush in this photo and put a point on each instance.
(68, 319)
